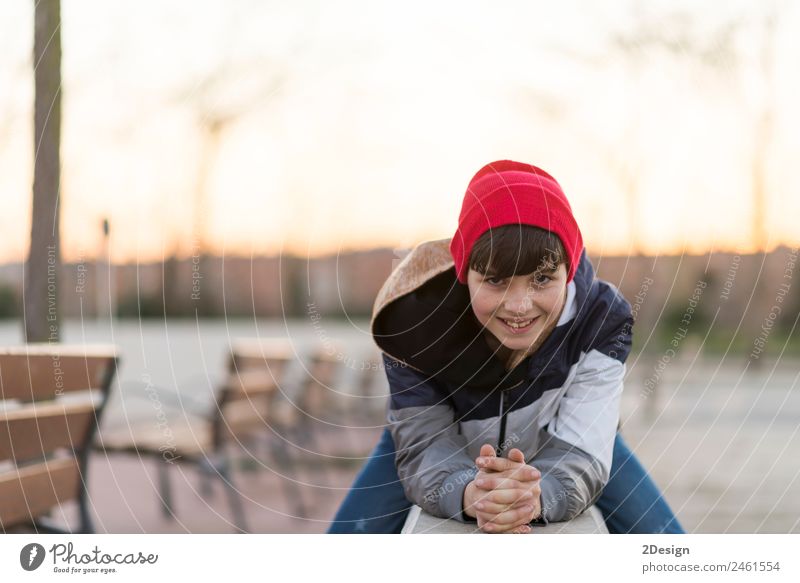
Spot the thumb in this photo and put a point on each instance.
(516, 455)
(487, 450)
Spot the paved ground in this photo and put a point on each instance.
(126, 496)
(723, 445)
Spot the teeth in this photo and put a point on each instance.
(518, 324)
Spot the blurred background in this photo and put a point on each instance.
(184, 177)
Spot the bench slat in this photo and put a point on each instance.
(248, 383)
(28, 493)
(38, 375)
(254, 352)
(32, 431)
(149, 439)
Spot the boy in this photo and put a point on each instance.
(505, 360)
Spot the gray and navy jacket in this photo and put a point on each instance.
(450, 393)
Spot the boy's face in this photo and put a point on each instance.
(520, 310)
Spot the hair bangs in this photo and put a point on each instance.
(517, 249)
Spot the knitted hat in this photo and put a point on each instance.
(507, 192)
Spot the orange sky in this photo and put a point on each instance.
(350, 133)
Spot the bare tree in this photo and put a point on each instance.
(763, 134)
(718, 54)
(41, 309)
(673, 35)
(217, 107)
(669, 34)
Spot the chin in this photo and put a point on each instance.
(518, 343)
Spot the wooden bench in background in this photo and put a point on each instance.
(51, 400)
(257, 407)
(277, 407)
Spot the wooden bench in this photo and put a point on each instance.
(51, 399)
(240, 413)
(274, 398)
(420, 522)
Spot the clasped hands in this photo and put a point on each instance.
(505, 495)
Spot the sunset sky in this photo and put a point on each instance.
(359, 124)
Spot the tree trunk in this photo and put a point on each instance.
(41, 308)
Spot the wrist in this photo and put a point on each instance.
(468, 502)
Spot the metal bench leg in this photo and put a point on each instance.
(165, 491)
(310, 438)
(234, 497)
(208, 471)
(292, 489)
(86, 526)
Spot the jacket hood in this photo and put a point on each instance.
(422, 317)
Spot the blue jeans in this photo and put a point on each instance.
(630, 502)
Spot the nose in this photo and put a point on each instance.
(519, 304)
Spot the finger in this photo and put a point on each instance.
(511, 497)
(521, 473)
(492, 482)
(487, 450)
(508, 521)
(493, 508)
(516, 455)
(514, 517)
(493, 527)
(525, 479)
(496, 464)
(507, 469)
(490, 506)
(528, 473)
(522, 529)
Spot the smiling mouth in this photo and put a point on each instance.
(518, 326)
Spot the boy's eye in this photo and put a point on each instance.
(494, 281)
(542, 279)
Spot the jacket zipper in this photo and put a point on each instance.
(500, 442)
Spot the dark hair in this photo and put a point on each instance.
(517, 249)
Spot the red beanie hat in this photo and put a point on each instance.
(505, 193)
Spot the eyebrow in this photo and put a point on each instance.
(493, 274)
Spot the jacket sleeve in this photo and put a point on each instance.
(575, 458)
(431, 459)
